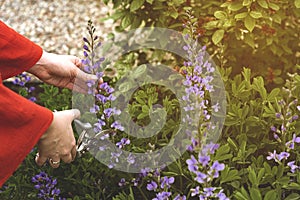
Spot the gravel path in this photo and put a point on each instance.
(56, 25)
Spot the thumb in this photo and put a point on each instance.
(73, 113)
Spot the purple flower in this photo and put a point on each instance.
(130, 159)
(94, 109)
(192, 164)
(283, 155)
(291, 144)
(178, 197)
(123, 142)
(292, 166)
(195, 191)
(86, 47)
(98, 126)
(117, 125)
(108, 112)
(103, 99)
(152, 186)
(273, 128)
(46, 186)
(145, 172)
(211, 147)
(33, 99)
(200, 177)
(216, 167)
(163, 196)
(209, 192)
(122, 182)
(272, 156)
(278, 115)
(216, 107)
(276, 137)
(166, 182)
(298, 108)
(204, 160)
(222, 196)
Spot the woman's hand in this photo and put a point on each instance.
(62, 71)
(58, 142)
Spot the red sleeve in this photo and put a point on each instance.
(22, 122)
(17, 53)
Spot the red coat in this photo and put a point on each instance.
(22, 122)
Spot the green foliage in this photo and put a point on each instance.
(55, 98)
(261, 35)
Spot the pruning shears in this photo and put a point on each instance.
(87, 136)
(84, 137)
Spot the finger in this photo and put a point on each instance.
(67, 158)
(84, 77)
(54, 161)
(40, 160)
(78, 63)
(74, 152)
(75, 113)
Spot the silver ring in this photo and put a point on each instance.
(53, 162)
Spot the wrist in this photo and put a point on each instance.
(40, 64)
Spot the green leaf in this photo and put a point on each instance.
(220, 14)
(249, 40)
(249, 23)
(274, 6)
(252, 177)
(127, 20)
(297, 3)
(255, 14)
(293, 196)
(247, 2)
(136, 4)
(243, 194)
(293, 186)
(271, 195)
(235, 6)
(255, 194)
(174, 14)
(117, 15)
(258, 85)
(263, 3)
(228, 175)
(150, 1)
(241, 15)
(218, 36)
(273, 94)
(139, 71)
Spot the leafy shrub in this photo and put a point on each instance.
(261, 35)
